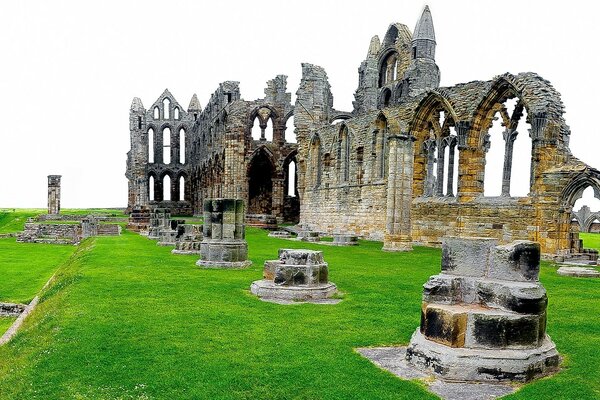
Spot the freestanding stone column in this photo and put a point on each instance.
(483, 318)
(54, 194)
(223, 244)
(399, 193)
(298, 275)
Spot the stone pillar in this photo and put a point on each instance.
(54, 194)
(224, 244)
(439, 184)
(509, 135)
(298, 275)
(399, 193)
(429, 147)
(450, 183)
(483, 318)
(278, 196)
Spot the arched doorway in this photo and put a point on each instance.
(291, 201)
(584, 188)
(260, 184)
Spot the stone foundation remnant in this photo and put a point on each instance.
(298, 275)
(160, 220)
(264, 221)
(223, 244)
(139, 219)
(341, 239)
(280, 234)
(189, 242)
(579, 272)
(54, 194)
(306, 235)
(483, 317)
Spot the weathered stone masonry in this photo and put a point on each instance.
(385, 170)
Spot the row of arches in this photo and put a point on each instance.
(164, 112)
(265, 126)
(166, 188)
(166, 148)
(320, 161)
(499, 154)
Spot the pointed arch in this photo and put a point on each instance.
(436, 147)
(166, 108)
(343, 153)
(261, 171)
(379, 146)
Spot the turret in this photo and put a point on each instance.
(423, 74)
(423, 41)
(194, 108)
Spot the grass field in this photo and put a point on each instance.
(26, 267)
(5, 322)
(125, 319)
(590, 240)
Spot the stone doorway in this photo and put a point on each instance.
(260, 184)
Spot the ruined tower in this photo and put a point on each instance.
(54, 194)
(423, 73)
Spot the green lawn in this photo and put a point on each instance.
(125, 319)
(26, 267)
(5, 323)
(590, 240)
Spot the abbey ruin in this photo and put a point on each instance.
(406, 165)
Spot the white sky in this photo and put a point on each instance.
(69, 69)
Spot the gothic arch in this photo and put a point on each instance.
(434, 173)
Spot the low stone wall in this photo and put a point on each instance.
(11, 309)
(109, 230)
(50, 233)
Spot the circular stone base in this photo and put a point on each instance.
(175, 251)
(465, 364)
(579, 272)
(223, 264)
(268, 289)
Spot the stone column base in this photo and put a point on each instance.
(175, 251)
(268, 289)
(466, 364)
(397, 243)
(223, 264)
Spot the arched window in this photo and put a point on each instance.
(166, 188)
(269, 130)
(315, 161)
(508, 126)
(176, 113)
(344, 155)
(256, 130)
(291, 183)
(290, 134)
(441, 155)
(151, 145)
(166, 108)
(380, 147)
(151, 188)
(167, 146)
(388, 70)
(156, 114)
(181, 188)
(182, 147)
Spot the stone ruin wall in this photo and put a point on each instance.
(220, 151)
(344, 162)
(356, 202)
